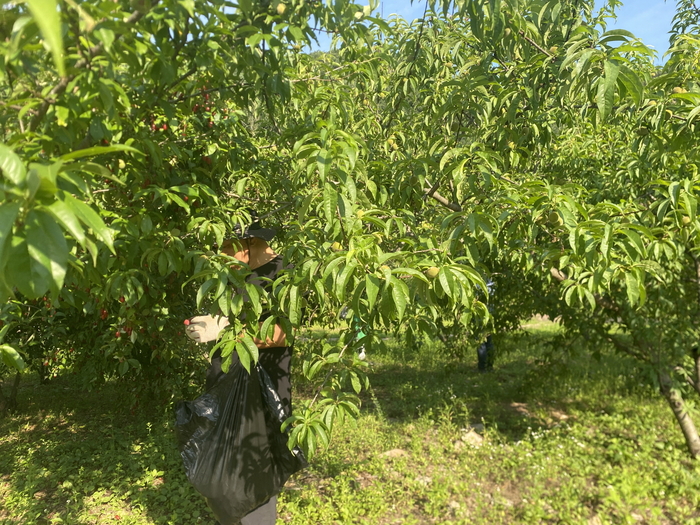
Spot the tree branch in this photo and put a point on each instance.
(626, 349)
(696, 357)
(431, 192)
(535, 44)
(680, 410)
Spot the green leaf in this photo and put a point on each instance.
(674, 190)
(323, 161)
(294, 306)
(267, 329)
(568, 293)
(42, 180)
(46, 16)
(330, 203)
(606, 90)
(106, 36)
(618, 33)
(189, 5)
(8, 215)
(66, 216)
(186, 190)
(47, 247)
(174, 197)
(62, 115)
(11, 357)
(247, 351)
(637, 242)
(632, 287)
(496, 17)
(88, 167)
(372, 286)
(98, 150)
(302, 210)
(412, 272)
(342, 280)
(90, 218)
(11, 166)
(19, 274)
(605, 242)
(476, 18)
(399, 300)
(632, 83)
(356, 385)
(446, 281)
(203, 290)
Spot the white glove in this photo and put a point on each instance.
(205, 328)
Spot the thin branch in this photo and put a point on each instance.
(442, 200)
(558, 274)
(624, 348)
(433, 188)
(535, 44)
(184, 76)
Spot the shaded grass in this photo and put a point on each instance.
(80, 457)
(565, 439)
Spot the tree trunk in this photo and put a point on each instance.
(696, 358)
(8, 404)
(3, 403)
(677, 404)
(694, 352)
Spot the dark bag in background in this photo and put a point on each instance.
(231, 445)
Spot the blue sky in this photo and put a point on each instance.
(650, 20)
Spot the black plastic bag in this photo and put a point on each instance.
(231, 445)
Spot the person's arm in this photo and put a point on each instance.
(279, 338)
(205, 328)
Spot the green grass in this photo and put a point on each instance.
(566, 439)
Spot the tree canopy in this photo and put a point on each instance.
(513, 140)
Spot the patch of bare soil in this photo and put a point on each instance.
(546, 415)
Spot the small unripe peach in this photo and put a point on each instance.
(432, 272)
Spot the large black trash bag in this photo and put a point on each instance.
(231, 445)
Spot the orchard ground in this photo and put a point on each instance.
(547, 437)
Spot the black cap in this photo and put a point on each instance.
(254, 230)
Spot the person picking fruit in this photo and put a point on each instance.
(250, 246)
